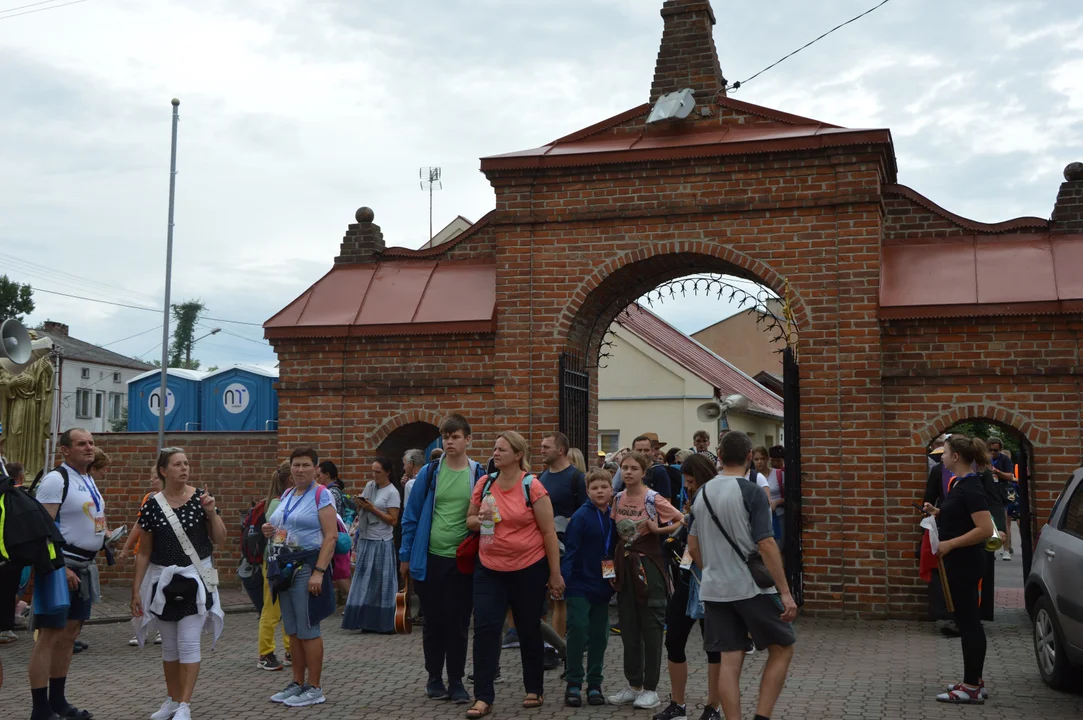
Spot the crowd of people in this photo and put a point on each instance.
(528, 561)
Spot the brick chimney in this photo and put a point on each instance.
(55, 328)
(363, 242)
(1068, 212)
(688, 58)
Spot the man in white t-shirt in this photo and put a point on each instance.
(735, 606)
(412, 462)
(78, 508)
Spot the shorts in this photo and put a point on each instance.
(727, 625)
(78, 610)
(294, 606)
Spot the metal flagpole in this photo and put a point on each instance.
(163, 397)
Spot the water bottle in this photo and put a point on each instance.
(488, 527)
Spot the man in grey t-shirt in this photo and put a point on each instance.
(734, 605)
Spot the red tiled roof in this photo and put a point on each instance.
(703, 363)
(688, 139)
(975, 275)
(406, 297)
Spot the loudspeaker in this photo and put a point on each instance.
(17, 350)
(711, 411)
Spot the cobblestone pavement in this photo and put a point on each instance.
(842, 669)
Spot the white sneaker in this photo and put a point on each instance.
(168, 709)
(625, 696)
(134, 642)
(1006, 556)
(311, 696)
(184, 712)
(157, 638)
(287, 692)
(647, 700)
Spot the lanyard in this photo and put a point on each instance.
(608, 531)
(91, 488)
(290, 507)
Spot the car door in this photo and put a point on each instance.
(1064, 560)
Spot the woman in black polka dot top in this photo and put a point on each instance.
(169, 592)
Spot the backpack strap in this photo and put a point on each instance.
(434, 469)
(527, 480)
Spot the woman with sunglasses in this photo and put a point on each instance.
(175, 588)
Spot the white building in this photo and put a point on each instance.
(93, 380)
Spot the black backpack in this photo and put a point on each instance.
(33, 489)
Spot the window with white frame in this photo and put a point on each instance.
(116, 378)
(84, 373)
(82, 403)
(99, 404)
(608, 440)
(116, 405)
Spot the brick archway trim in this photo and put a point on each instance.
(767, 275)
(1036, 435)
(393, 423)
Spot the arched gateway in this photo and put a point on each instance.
(895, 316)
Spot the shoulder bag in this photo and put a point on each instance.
(208, 574)
(754, 561)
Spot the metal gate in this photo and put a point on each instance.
(575, 401)
(791, 397)
(1027, 525)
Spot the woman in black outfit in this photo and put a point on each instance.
(170, 593)
(696, 471)
(964, 524)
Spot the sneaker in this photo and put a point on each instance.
(310, 696)
(288, 662)
(166, 711)
(647, 700)
(981, 690)
(269, 662)
(134, 642)
(435, 690)
(458, 692)
(962, 695)
(673, 712)
(184, 712)
(625, 696)
(614, 629)
(1006, 556)
(157, 638)
(550, 658)
(511, 639)
(8, 636)
(291, 690)
(710, 713)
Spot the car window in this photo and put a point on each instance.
(1073, 513)
(1060, 497)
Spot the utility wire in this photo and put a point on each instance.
(737, 85)
(232, 322)
(31, 12)
(53, 273)
(159, 327)
(135, 307)
(43, 2)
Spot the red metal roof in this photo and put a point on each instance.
(405, 297)
(688, 139)
(699, 360)
(1032, 273)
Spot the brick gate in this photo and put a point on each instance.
(898, 338)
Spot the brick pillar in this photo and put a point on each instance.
(1068, 212)
(363, 242)
(688, 58)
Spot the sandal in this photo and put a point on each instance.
(476, 712)
(74, 713)
(595, 697)
(573, 696)
(533, 701)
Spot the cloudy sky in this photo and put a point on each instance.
(296, 112)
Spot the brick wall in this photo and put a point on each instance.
(235, 467)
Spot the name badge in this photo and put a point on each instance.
(99, 524)
(279, 537)
(686, 560)
(609, 572)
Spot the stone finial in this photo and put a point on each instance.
(687, 57)
(363, 241)
(1067, 214)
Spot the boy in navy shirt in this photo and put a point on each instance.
(587, 568)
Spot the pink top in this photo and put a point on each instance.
(517, 541)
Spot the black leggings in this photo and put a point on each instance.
(964, 574)
(679, 625)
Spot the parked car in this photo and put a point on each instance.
(1054, 590)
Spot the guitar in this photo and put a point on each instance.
(403, 626)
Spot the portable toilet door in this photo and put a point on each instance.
(182, 404)
(242, 398)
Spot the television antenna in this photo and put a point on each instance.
(430, 180)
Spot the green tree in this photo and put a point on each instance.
(121, 423)
(16, 300)
(185, 315)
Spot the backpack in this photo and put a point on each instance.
(648, 503)
(33, 489)
(253, 542)
(349, 510)
(527, 479)
(434, 469)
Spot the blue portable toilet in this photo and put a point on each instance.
(182, 410)
(240, 398)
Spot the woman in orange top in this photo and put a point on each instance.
(518, 560)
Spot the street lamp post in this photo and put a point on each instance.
(162, 390)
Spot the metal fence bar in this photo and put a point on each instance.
(791, 396)
(575, 400)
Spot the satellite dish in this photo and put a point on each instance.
(674, 106)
